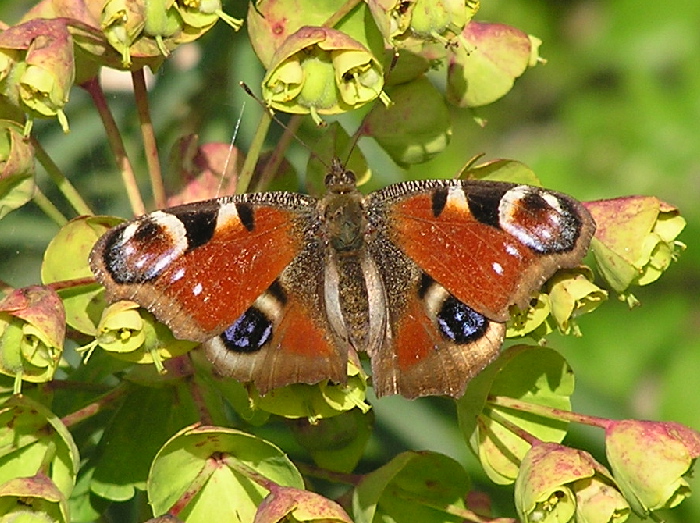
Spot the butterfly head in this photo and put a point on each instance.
(340, 180)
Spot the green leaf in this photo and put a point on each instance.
(407, 135)
(414, 486)
(83, 304)
(495, 56)
(33, 440)
(146, 419)
(15, 191)
(504, 171)
(535, 375)
(212, 470)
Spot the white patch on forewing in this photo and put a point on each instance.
(497, 268)
(457, 198)
(197, 289)
(227, 213)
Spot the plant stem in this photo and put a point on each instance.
(201, 479)
(116, 145)
(96, 406)
(251, 159)
(329, 475)
(149, 138)
(70, 284)
(275, 159)
(62, 183)
(50, 210)
(515, 429)
(548, 412)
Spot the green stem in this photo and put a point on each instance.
(57, 176)
(515, 429)
(329, 475)
(250, 473)
(50, 210)
(116, 145)
(275, 159)
(548, 412)
(149, 138)
(251, 159)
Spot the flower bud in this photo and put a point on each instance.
(635, 239)
(650, 462)
(553, 479)
(291, 505)
(441, 19)
(16, 167)
(162, 21)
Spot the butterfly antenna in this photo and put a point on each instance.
(291, 128)
(230, 149)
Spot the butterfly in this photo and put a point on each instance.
(283, 288)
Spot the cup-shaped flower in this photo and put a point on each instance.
(39, 55)
(133, 334)
(32, 499)
(122, 22)
(32, 330)
(201, 15)
(319, 70)
(650, 461)
(572, 293)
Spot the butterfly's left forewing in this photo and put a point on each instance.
(199, 266)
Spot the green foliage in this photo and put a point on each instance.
(612, 113)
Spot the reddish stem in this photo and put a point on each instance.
(116, 144)
(149, 138)
(96, 406)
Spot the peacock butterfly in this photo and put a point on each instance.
(282, 288)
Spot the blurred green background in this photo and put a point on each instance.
(615, 111)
